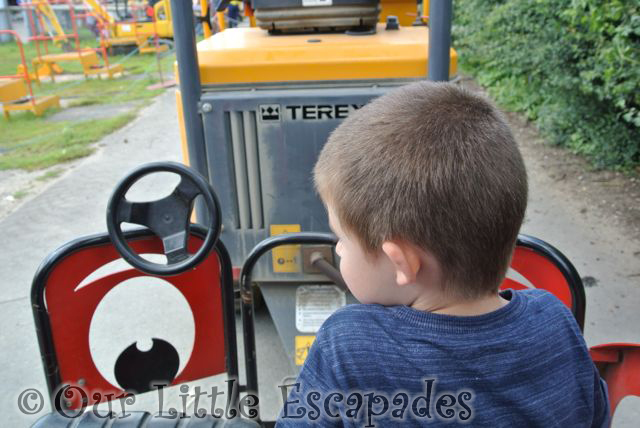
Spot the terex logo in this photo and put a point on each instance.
(320, 112)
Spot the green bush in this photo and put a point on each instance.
(571, 66)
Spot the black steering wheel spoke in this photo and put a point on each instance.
(134, 212)
(168, 218)
(186, 190)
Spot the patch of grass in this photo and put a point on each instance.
(50, 174)
(61, 141)
(92, 91)
(32, 143)
(20, 194)
(24, 127)
(104, 91)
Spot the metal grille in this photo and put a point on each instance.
(243, 141)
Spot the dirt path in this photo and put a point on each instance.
(601, 195)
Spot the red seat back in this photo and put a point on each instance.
(64, 312)
(619, 366)
(542, 266)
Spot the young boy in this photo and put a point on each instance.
(426, 190)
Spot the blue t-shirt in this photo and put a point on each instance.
(525, 364)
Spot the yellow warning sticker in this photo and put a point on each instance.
(285, 258)
(303, 343)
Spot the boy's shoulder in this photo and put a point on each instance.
(531, 306)
(351, 316)
(538, 295)
(545, 318)
(354, 322)
(543, 302)
(537, 299)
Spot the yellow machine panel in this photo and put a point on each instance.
(285, 258)
(251, 55)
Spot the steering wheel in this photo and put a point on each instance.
(168, 218)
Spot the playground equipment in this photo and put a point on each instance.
(16, 93)
(48, 64)
(135, 27)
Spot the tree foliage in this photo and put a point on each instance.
(573, 66)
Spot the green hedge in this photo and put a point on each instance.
(573, 66)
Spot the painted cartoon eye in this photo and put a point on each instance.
(115, 329)
(142, 333)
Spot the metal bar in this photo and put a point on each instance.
(206, 12)
(246, 294)
(43, 28)
(157, 46)
(190, 90)
(221, 22)
(440, 12)
(229, 314)
(74, 28)
(318, 260)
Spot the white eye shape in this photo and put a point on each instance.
(136, 311)
(516, 276)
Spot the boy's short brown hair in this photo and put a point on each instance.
(434, 165)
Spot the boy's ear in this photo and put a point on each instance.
(405, 259)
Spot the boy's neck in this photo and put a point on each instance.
(451, 306)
